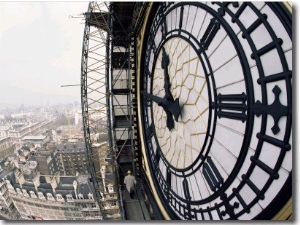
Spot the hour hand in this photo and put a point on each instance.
(164, 65)
(170, 121)
(165, 59)
(170, 107)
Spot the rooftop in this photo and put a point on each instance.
(38, 137)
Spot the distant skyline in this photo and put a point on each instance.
(40, 50)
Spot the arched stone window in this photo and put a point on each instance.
(50, 197)
(90, 196)
(19, 191)
(25, 193)
(41, 195)
(80, 196)
(59, 198)
(32, 194)
(110, 188)
(69, 197)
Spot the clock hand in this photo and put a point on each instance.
(170, 121)
(171, 107)
(164, 65)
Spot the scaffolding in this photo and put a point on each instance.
(109, 99)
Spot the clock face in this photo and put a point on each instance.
(216, 108)
(182, 145)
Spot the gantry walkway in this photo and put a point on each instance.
(135, 208)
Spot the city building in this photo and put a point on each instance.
(33, 189)
(18, 129)
(53, 198)
(73, 158)
(48, 159)
(7, 207)
(36, 140)
(6, 147)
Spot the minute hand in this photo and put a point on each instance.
(168, 105)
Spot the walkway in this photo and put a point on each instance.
(135, 209)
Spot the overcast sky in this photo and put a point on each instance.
(40, 50)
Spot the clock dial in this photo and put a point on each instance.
(216, 109)
(180, 145)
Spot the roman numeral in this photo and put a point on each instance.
(210, 33)
(181, 17)
(157, 155)
(150, 131)
(151, 43)
(209, 213)
(231, 106)
(168, 178)
(168, 185)
(149, 103)
(164, 28)
(147, 72)
(163, 22)
(160, 179)
(211, 174)
(186, 190)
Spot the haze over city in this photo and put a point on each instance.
(41, 44)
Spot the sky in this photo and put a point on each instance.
(40, 50)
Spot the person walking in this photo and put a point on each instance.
(130, 183)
